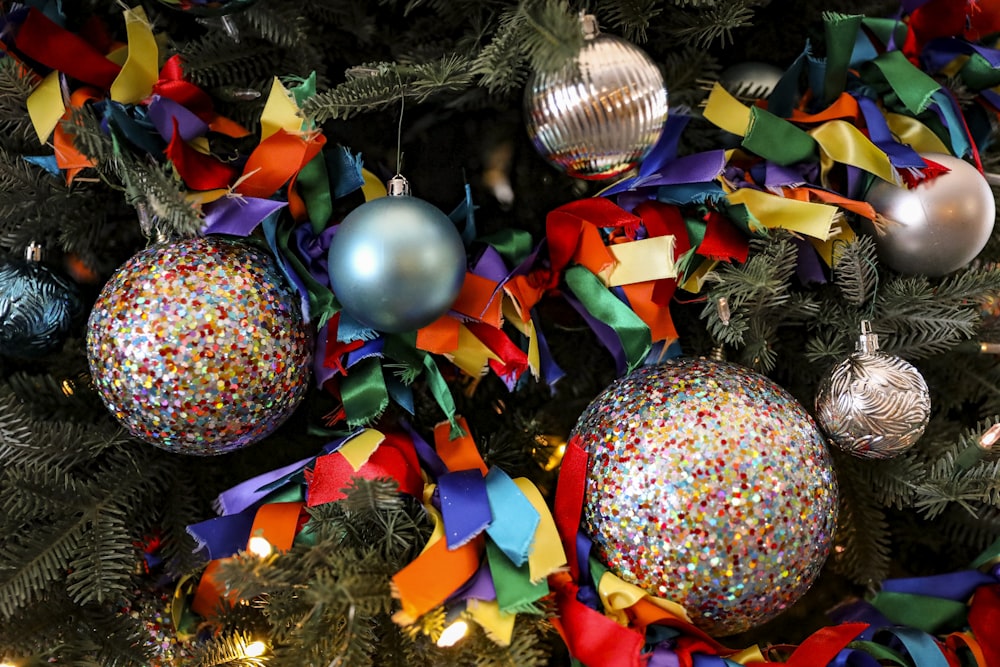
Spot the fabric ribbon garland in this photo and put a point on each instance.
(478, 512)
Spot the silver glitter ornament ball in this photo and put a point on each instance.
(396, 263)
(37, 306)
(198, 346)
(708, 485)
(938, 226)
(873, 405)
(600, 115)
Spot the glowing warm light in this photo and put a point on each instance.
(453, 633)
(7, 664)
(255, 649)
(67, 389)
(259, 546)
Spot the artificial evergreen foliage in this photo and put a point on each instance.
(90, 516)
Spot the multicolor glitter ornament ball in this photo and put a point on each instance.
(198, 346)
(710, 486)
(154, 610)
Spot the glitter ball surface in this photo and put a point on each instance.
(711, 486)
(198, 346)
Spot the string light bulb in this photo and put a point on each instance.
(453, 633)
(259, 546)
(254, 649)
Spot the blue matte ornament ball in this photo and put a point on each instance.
(396, 263)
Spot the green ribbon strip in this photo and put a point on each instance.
(881, 653)
(886, 29)
(978, 74)
(401, 348)
(841, 31)
(990, 556)
(776, 139)
(515, 592)
(605, 306)
(442, 394)
(314, 186)
(363, 392)
(912, 87)
(932, 615)
(514, 245)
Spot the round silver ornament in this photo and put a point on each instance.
(37, 306)
(751, 79)
(938, 226)
(599, 116)
(873, 405)
(396, 263)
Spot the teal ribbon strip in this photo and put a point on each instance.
(633, 333)
(515, 519)
(920, 646)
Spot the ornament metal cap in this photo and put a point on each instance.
(33, 253)
(867, 341)
(589, 26)
(397, 186)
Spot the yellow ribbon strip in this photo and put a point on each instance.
(471, 355)
(373, 187)
(498, 625)
(527, 329)
(840, 141)
(915, 134)
(779, 212)
(140, 71)
(697, 278)
(618, 595)
(727, 112)
(641, 261)
(280, 112)
(547, 555)
(359, 449)
(842, 234)
(46, 106)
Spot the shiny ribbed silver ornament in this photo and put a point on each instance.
(599, 116)
(873, 405)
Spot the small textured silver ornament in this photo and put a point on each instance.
(873, 405)
(938, 226)
(37, 306)
(599, 116)
(751, 79)
(396, 263)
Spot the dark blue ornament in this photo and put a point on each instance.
(37, 308)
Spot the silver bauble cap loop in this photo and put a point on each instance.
(589, 26)
(33, 253)
(398, 187)
(867, 341)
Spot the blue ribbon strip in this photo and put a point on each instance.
(515, 519)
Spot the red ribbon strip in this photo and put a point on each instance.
(45, 42)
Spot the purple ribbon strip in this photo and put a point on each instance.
(163, 111)
(465, 506)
